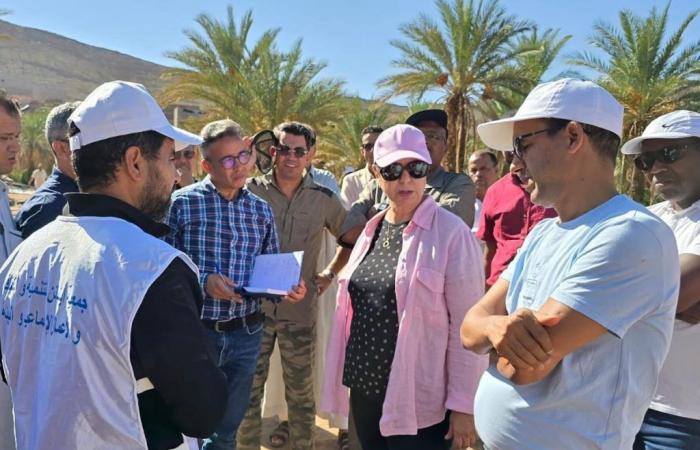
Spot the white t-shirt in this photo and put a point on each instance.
(678, 391)
(477, 215)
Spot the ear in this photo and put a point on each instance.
(133, 164)
(575, 136)
(205, 165)
(61, 150)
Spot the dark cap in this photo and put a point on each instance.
(428, 115)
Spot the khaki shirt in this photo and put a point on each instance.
(300, 223)
(353, 184)
(452, 191)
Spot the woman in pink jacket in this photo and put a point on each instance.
(413, 274)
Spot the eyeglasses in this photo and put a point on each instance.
(416, 169)
(187, 154)
(368, 147)
(285, 150)
(518, 148)
(666, 155)
(434, 136)
(229, 162)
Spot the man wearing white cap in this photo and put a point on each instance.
(101, 338)
(580, 322)
(669, 152)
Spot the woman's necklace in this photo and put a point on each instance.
(391, 233)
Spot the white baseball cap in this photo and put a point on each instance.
(569, 99)
(674, 125)
(118, 108)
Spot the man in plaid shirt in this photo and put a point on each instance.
(222, 226)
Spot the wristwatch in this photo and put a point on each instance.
(329, 274)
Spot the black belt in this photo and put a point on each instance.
(235, 324)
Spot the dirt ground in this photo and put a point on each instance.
(326, 437)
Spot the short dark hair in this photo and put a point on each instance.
(219, 129)
(491, 155)
(371, 129)
(96, 163)
(297, 129)
(9, 105)
(604, 141)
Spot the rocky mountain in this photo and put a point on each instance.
(41, 66)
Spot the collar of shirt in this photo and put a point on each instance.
(65, 183)
(99, 205)
(668, 208)
(269, 179)
(209, 188)
(435, 178)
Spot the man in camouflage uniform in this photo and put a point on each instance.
(302, 210)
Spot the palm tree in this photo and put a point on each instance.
(646, 69)
(255, 84)
(462, 59)
(339, 146)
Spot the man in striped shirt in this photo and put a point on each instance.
(222, 226)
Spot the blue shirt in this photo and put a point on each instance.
(220, 234)
(46, 204)
(618, 265)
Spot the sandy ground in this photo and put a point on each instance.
(326, 438)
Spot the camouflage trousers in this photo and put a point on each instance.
(296, 344)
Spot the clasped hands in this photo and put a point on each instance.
(521, 343)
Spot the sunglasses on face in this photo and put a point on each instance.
(666, 155)
(368, 147)
(229, 162)
(519, 148)
(285, 150)
(416, 169)
(187, 154)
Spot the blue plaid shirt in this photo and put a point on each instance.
(222, 234)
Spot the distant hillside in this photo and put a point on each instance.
(42, 66)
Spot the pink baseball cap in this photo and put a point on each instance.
(399, 142)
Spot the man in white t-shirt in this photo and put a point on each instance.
(483, 170)
(579, 324)
(669, 152)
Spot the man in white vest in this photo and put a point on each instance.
(10, 129)
(101, 338)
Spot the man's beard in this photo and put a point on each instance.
(155, 197)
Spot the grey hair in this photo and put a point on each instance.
(56, 126)
(213, 131)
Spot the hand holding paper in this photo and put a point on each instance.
(297, 293)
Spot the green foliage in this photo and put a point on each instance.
(254, 84)
(645, 67)
(473, 59)
(339, 146)
(35, 149)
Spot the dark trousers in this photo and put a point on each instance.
(662, 431)
(366, 412)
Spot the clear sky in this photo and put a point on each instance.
(352, 37)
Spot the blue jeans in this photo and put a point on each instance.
(662, 431)
(238, 357)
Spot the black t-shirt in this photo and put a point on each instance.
(375, 324)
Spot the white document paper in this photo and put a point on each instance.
(275, 274)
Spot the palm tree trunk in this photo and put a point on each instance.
(452, 110)
(461, 147)
(638, 185)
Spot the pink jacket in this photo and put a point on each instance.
(439, 276)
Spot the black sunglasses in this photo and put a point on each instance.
(518, 148)
(368, 147)
(667, 155)
(416, 169)
(285, 150)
